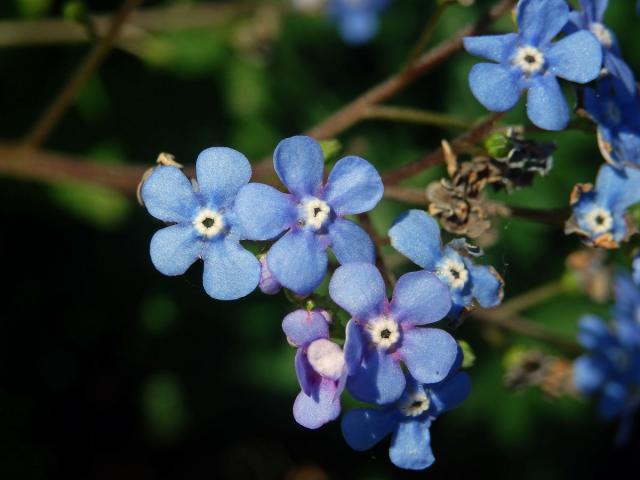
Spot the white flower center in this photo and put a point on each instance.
(453, 271)
(315, 213)
(415, 404)
(208, 223)
(613, 112)
(599, 220)
(384, 331)
(529, 59)
(326, 358)
(602, 33)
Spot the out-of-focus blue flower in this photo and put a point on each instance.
(636, 268)
(591, 18)
(320, 367)
(408, 420)
(204, 222)
(626, 312)
(599, 212)
(312, 216)
(616, 112)
(383, 334)
(529, 61)
(416, 235)
(357, 20)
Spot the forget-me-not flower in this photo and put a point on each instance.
(591, 18)
(204, 222)
(381, 334)
(417, 236)
(626, 312)
(616, 111)
(312, 215)
(357, 20)
(599, 212)
(528, 60)
(408, 420)
(320, 367)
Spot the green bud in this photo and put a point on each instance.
(330, 149)
(498, 145)
(468, 357)
(570, 282)
(33, 8)
(75, 11)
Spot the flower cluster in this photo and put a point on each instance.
(357, 20)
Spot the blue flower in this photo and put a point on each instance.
(357, 19)
(312, 215)
(610, 368)
(636, 268)
(408, 420)
(320, 367)
(268, 283)
(615, 110)
(599, 213)
(417, 236)
(529, 61)
(626, 311)
(591, 18)
(382, 334)
(204, 222)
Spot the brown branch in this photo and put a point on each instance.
(93, 60)
(553, 216)
(414, 115)
(354, 111)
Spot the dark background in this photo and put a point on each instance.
(110, 370)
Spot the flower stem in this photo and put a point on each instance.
(414, 115)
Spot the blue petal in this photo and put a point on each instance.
(417, 236)
(594, 9)
(299, 163)
(298, 261)
(546, 106)
(411, 445)
(589, 373)
(619, 68)
(614, 398)
(308, 379)
(230, 271)
(450, 393)
(492, 47)
(350, 243)
(577, 58)
(313, 412)
(487, 285)
(362, 428)
(621, 186)
(303, 327)
(358, 27)
(168, 195)
(359, 289)
(354, 345)
(420, 298)
(263, 212)
(429, 353)
(175, 248)
(221, 172)
(378, 380)
(541, 20)
(593, 333)
(354, 186)
(494, 86)
(636, 269)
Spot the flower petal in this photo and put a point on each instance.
(589, 373)
(541, 20)
(308, 379)
(428, 353)
(594, 9)
(362, 428)
(593, 333)
(303, 327)
(492, 47)
(494, 86)
(450, 393)
(299, 163)
(354, 186)
(359, 289)
(546, 106)
(354, 345)
(298, 261)
(221, 172)
(350, 243)
(619, 69)
(411, 445)
(487, 285)
(621, 187)
(614, 398)
(378, 380)
(263, 212)
(175, 248)
(416, 235)
(313, 412)
(230, 271)
(168, 195)
(420, 298)
(577, 58)
(358, 27)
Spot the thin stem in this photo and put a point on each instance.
(529, 299)
(555, 217)
(414, 196)
(428, 31)
(414, 115)
(93, 60)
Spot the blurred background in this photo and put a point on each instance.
(110, 370)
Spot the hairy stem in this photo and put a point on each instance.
(414, 115)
